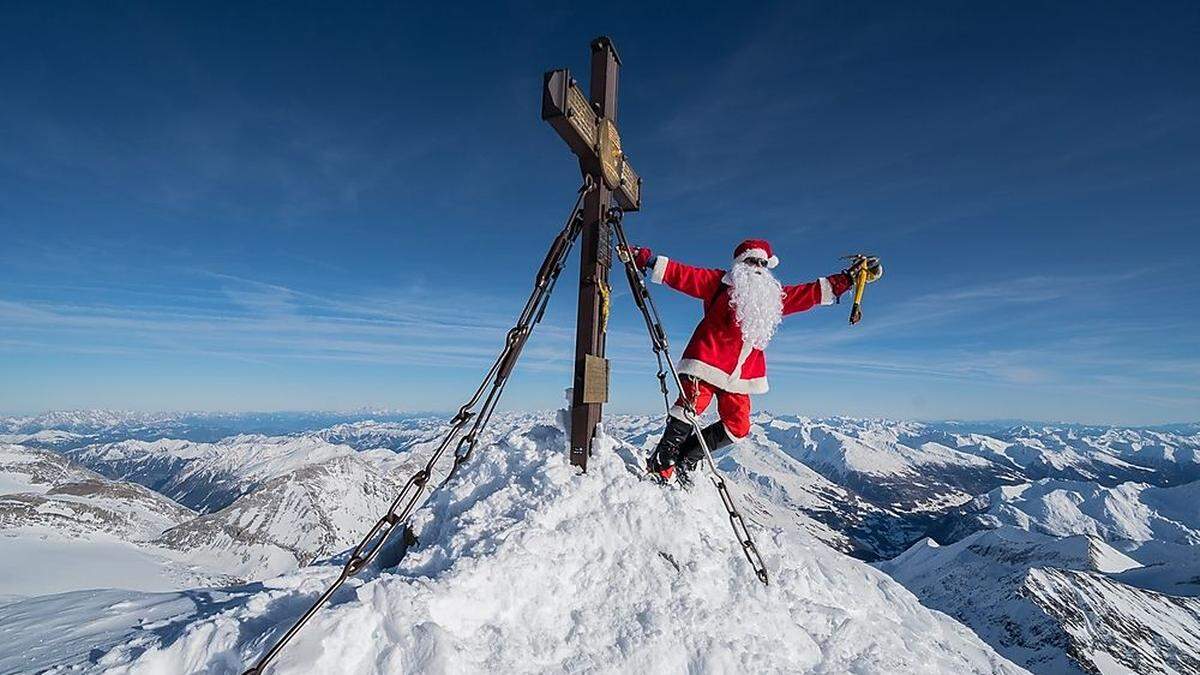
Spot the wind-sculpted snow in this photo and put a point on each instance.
(524, 565)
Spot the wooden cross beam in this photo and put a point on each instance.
(588, 125)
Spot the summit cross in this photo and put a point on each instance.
(588, 125)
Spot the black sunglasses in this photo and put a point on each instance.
(756, 262)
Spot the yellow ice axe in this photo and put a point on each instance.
(860, 285)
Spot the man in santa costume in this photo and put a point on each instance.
(724, 359)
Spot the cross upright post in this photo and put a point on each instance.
(588, 125)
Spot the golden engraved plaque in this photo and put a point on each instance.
(611, 159)
(595, 379)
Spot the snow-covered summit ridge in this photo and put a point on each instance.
(525, 565)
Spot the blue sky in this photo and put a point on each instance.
(249, 206)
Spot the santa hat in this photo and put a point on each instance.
(756, 248)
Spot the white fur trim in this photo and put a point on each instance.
(660, 268)
(679, 413)
(747, 348)
(772, 261)
(722, 380)
(827, 296)
(732, 435)
(753, 253)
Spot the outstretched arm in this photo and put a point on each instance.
(823, 291)
(695, 281)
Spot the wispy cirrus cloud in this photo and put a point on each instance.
(1064, 335)
(265, 322)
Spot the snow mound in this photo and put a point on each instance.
(525, 565)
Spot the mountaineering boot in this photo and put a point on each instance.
(662, 461)
(690, 453)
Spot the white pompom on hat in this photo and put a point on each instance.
(756, 248)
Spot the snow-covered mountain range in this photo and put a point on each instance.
(1075, 543)
(524, 565)
(312, 512)
(1053, 605)
(176, 513)
(43, 489)
(1159, 527)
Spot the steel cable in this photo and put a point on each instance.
(658, 340)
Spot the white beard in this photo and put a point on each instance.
(757, 299)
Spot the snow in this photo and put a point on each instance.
(42, 563)
(1046, 603)
(1145, 631)
(1078, 552)
(1168, 568)
(25, 469)
(1104, 454)
(783, 490)
(508, 548)
(51, 437)
(313, 512)
(902, 467)
(71, 631)
(13, 482)
(525, 565)
(1129, 511)
(1107, 665)
(1157, 526)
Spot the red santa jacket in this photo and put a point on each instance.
(717, 353)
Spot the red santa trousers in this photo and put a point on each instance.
(733, 408)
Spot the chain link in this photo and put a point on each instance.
(406, 501)
(658, 340)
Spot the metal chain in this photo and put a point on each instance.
(535, 309)
(658, 340)
(403, 505)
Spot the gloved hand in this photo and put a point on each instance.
(641, 256)
(872, 265)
